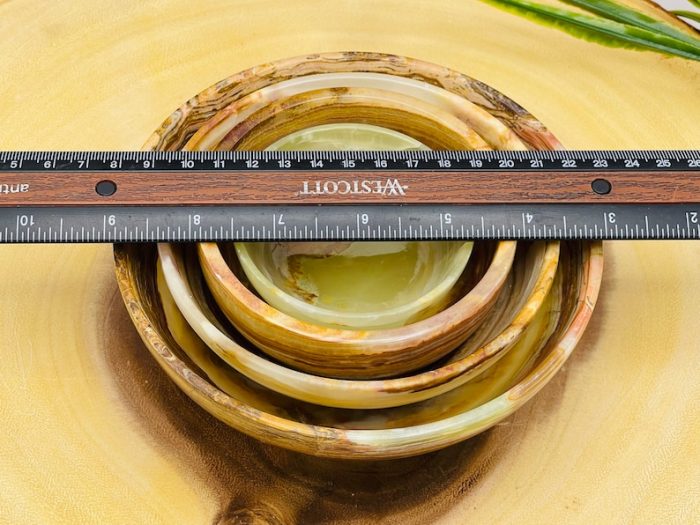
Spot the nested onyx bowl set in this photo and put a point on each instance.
(358, 350)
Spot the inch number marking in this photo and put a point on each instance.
(25, 220)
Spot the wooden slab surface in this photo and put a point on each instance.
(93, 432)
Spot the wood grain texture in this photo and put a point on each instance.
(90, 434)
(424, 187)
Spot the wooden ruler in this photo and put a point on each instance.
(421, 195)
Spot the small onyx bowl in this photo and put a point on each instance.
(355, 285)
(364, 349)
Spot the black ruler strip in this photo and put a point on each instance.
(343, 222)
(540, 160)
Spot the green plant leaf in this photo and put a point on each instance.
(621, 13)
(602, 30)
(690, 15)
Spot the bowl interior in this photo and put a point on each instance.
(346, 136)
(355, 284)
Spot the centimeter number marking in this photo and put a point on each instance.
(146, 223)
(350, 160)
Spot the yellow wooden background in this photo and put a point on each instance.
(83, 439)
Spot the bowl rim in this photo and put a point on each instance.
(254, 112)
(219, 95)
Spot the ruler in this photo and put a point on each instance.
(64, 197)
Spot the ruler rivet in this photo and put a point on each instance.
(106, 188)
(601, 186)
